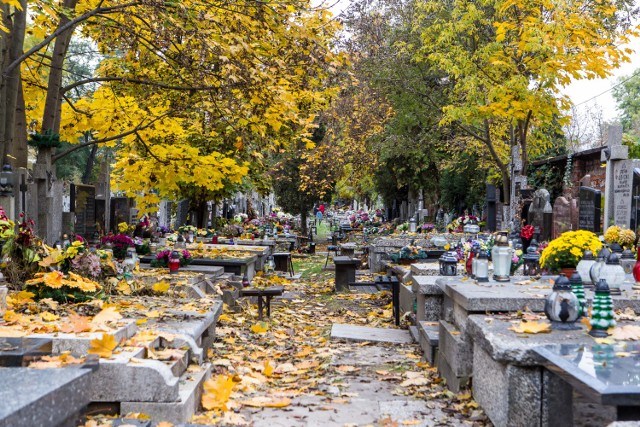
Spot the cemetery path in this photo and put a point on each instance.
(287, 371)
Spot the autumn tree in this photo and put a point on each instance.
(505, 62)
(627, 96)
(190, 93)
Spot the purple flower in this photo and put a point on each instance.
(186, 254)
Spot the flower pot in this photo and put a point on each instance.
(567, 271)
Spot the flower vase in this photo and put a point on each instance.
(567, 271)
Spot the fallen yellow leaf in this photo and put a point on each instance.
(268, 369)
(104, 346)
(259, 328)
(108, 314)
(49, 317)
(267, 402)
(153, 314)
(531, 328)
(217, 391)
(161, 286)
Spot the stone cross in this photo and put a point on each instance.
(613, 154)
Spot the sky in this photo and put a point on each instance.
(581, 91)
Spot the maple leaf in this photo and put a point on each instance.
(626, 332)
(76, 324)
(164, 424)
(104, 346)
(49, 317)
(217, 392)
(268, 369)
(23, 297)
(259, 328)
(108, 314)
(531, 328)
(161, 287)
(267, 402)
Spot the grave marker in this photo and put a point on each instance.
(590, 209)
(561, 216)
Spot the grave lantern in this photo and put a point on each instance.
(613, 273)
(636, 273)
(627, 261)
(412, 225)
(501, 256)
(601, 311)
(4, 290)
(6, 181)
(577, 288)
(174, 262)
(270, 265)
(448, 264)
(471, 228)
(562, 306)
(245, 281)
(482, 267)
(615, 248)
(601, 259)
(531, 261)
(583, 268)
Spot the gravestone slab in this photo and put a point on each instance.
(622, 187)
(561, 216)
(363, 333)
(535, 215)
(42, 397)
(590, 209)
(16, 352)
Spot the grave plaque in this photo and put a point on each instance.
(561, 216)
(622, 186)
(83, 203)
(590, 207)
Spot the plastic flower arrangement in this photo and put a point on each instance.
(163, 229)
(409, 252)
(162, 258)
(466, 219)
(566, 251)
(427, 227)
(124, 228)
(516, 260)
(119, 244)
(188, 229)
(623, 236)
(6, 225)
(62, 288)
(527, 232)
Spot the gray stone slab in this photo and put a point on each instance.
(364, 333)
(190, 392)
(506, 346)
(47, 397)
(429, 340)
(453, 382)
(456, 349)
(510, 395)
(426, 285)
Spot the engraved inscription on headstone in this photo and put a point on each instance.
(622, 185)
(590, 207)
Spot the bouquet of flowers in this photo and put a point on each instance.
(119, 243)
(622, 236)
(427, 227)
(527, 232)
(188, 229)
(566, 251)
(162, 258)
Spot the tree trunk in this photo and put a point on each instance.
(49, 226)
(201, 213)
(303, 220)
(86, 176)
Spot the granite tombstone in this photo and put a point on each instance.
(590, 209)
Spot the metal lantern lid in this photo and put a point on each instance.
(627, 254)
(576, 279)
(448, 257)
(615, 248)
(602, 287)
(562, 284)
(613, 259)
(175, 254)
(532, 254)
(604, 253)
(501, 240)
(412, 219)
(587, 256)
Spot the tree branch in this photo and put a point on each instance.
(69, 25)
(137, 81)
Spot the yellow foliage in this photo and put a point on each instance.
(531, 328)
(161, 287)
(259, 328)
(217, 391)
(104, 346)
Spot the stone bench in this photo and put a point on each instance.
(264, 297)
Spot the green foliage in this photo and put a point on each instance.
(47, 139)
(463, 184)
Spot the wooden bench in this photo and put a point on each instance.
(264, 297)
